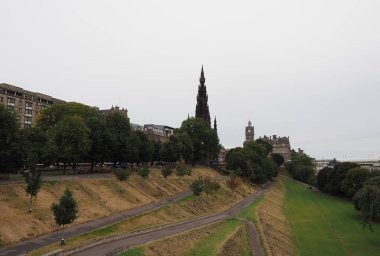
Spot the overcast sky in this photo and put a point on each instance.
(305, 69)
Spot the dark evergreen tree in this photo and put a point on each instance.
(66, 211)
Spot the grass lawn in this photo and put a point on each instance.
(250, 212)
(133, 252)
(211, 245)
(326, 225)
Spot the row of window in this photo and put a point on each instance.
(28, 105)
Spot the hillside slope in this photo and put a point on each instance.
(96, 198)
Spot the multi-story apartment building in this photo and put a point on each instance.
(27, 105)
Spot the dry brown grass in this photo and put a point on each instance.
(179, 211)
(96, 198)
(181, 244)
(237, 244)
(272, 223)
(184, 210)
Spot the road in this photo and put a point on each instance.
(138, 238)
(23, 247)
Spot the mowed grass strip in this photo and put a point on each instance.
(213, 243)
(326, 225)
(250, 212)
(133, 252)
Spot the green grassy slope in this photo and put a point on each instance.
(326, 225)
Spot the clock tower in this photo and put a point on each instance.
(249, 133)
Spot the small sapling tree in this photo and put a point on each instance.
(181, 169)
(33, 185)
(66, 211)
(144, 172)
(197, 187)
(166, 172)
(210, 186)
(122, 175)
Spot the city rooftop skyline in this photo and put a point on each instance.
(304, 70)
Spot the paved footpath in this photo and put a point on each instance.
(28, 245)
(138, 238)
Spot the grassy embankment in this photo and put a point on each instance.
(96, 198)
(327, 225)
(228, 237)
(222, 238)
(179, 211)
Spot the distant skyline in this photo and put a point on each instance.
(307, 70)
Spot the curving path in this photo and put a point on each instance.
(138, 238)
(23, 247)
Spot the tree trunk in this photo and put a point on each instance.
(62, 239)
(30, 204)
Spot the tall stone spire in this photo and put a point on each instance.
(201, 110)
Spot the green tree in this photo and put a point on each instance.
(301, 168)
(71, 140)
(367, 200)
(337, 176)
(323, 179)
(144, 172)
(354, 180)
(101, 141)
(166, 171)
(66, 211)
(119, 128)
(33, 185)
(278, 159)
(10, 143)
(210, 186)
(51, 116)
(204, 140)
(121, 175)
(181, 169)
(145, 147)
(197, 187)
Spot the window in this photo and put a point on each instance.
(28, 119)
(28, 105)
(11, 102)
(1, 99)
(20, 110)
(27, 125)
(11, 108)
(28, 112)
(20, 103)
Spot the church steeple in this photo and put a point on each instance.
(202, 79)
(201, 110)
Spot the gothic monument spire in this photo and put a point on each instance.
(201, 110)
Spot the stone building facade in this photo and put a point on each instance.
(158, 133)
(113, 109)
(281, 145)
(27, 105)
